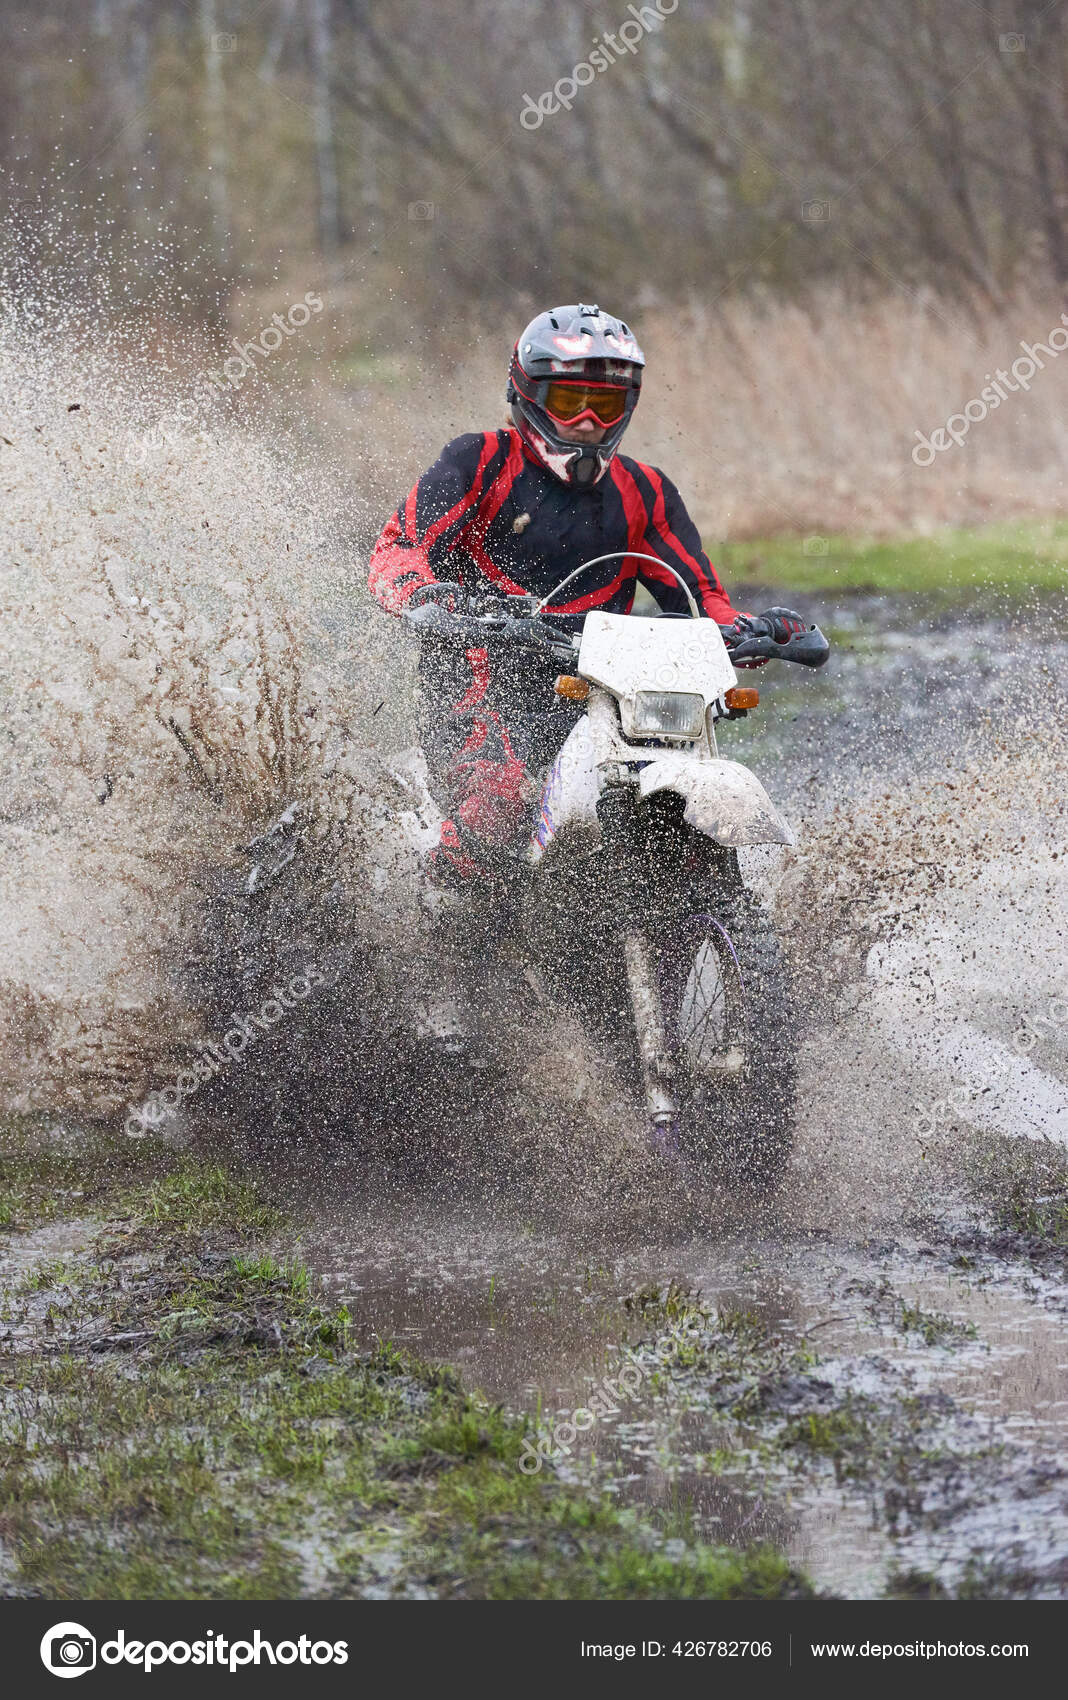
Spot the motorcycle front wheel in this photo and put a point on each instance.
(729, 1019)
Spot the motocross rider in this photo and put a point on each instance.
(508, 512)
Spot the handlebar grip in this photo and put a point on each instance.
(806, 649)
(431, 619)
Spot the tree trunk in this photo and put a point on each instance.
(320, 27)
(216, 44)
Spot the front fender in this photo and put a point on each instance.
(724, 800)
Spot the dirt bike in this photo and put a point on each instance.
(674, 964)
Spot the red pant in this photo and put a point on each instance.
(488, 729)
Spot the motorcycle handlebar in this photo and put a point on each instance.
(477, 621)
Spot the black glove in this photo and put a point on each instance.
(779, 624)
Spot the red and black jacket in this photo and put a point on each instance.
(485, 514)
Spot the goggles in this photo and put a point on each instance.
(567, 402)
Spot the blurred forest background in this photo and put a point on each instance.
(829, 220)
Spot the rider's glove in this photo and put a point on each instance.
(779, 624)
(782, 624)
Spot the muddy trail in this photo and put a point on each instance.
(869, 1377)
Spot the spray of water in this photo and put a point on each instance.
(168, 688)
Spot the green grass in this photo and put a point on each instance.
(933, 1326)
(1022, 1189)
(263, 1270)
(206, 1195)
(1016, 558)
(36, 1190)
(833, 1433)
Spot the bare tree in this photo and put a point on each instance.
(736, 143)
(320, 27)
(215, 43)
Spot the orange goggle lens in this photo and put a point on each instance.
(568, 401)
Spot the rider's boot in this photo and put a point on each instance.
(444, 1013)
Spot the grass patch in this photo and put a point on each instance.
(676, 1306)
(898, 1452)
(912, 1457)
(207, 1195)
(1022, 1190)
(933, 1327)
(37, 1190)
(1017, 558)
(291, 1277)
(843, 1434)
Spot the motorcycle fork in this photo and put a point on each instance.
(646, 1004)
(638, 841)
(652, 850)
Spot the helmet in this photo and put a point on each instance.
(561, 353)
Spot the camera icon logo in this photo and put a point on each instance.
(418, 211)
(815, 212)
(224, 42)
(1012, 43)
(68, 1650)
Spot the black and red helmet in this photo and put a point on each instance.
(570, 363)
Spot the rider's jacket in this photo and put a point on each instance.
(487, 515)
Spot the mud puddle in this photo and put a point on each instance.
(970, 1372)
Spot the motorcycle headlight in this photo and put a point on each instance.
(668, 714)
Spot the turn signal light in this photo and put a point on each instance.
(569, 685)
(741, 696)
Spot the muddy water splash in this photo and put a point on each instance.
(187, 656)
(167, 688)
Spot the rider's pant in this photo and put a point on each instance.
(490, 722)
